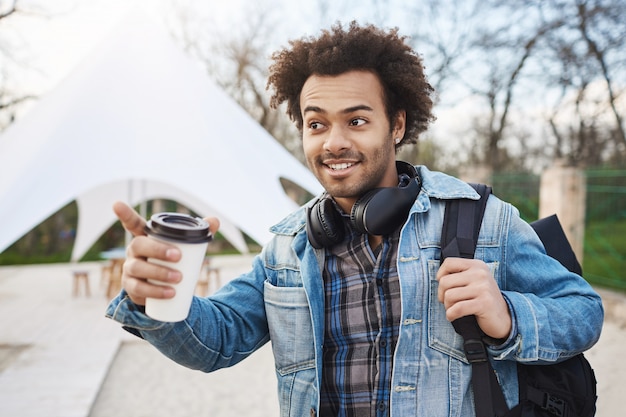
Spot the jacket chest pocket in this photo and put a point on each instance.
(290, 326)
(441, 334)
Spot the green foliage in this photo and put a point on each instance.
(604, 260)
(52, 240)
(49, 242)
(521, 190)
(604, 247)
(605, 254)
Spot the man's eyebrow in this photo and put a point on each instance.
(313, 109)
(348, 110)
(357, 108)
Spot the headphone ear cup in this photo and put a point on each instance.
(358, 213)
(324, 225)
(382, 210)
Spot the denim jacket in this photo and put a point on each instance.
(555, 313)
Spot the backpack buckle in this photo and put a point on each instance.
(475, 351)
(554, 405)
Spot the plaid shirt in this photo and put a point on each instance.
(362, 319)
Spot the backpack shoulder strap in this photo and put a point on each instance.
(459, 236)
(461, 224)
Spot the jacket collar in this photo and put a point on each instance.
(435, 185)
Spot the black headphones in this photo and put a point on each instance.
(378, 212)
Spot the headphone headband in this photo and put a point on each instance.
(378, 212)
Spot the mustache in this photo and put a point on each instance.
(352, 155)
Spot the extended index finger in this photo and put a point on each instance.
(130, 219)
(214, 224)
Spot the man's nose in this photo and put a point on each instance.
(337, 140)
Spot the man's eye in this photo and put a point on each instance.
(315, 125)
(357, 122)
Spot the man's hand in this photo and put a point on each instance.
(467, 287)
(137, 270)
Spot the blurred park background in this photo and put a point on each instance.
(521, 86)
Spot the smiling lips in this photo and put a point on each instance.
(337, 167)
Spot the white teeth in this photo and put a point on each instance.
(336, 167)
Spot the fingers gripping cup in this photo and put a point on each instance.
(191, 235)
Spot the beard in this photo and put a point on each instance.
(374, 167)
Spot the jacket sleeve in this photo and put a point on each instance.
(556, 313)
(220, 331)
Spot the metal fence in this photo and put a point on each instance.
(604, 259)
(605, 228)
(521, 190)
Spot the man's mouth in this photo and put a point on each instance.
(338, 167)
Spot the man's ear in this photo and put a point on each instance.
(399, 125)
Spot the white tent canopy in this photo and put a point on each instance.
(140, 120)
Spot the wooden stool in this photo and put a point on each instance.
(204, 282)
(105, 274)
(114, 284)
(81, 277)
(202, 286)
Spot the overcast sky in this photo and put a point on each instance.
(49, 44)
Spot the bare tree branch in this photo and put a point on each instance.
(12, 9)
(15, 101)
(599, 55)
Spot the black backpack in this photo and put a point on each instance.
(564, 389)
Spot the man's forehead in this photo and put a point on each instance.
(350, 91)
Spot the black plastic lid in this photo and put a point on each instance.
(179, 227)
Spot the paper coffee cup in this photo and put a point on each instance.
(191, 235)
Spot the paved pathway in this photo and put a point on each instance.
(59, 357)
(65, 347)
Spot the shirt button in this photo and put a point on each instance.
(383, 343)
(381, 406)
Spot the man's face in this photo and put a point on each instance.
(346, 134)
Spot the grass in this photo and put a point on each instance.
(604, 261)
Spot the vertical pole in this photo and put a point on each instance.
(563, 192)
(129, 190)
(143, 203)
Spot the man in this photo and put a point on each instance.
(358, 308)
